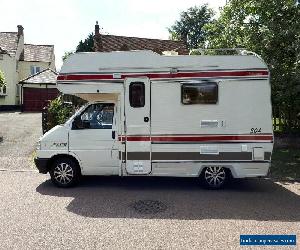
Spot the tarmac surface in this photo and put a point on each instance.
(101, 213)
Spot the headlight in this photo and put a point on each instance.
(38, 145)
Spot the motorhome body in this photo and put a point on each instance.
(155, 115)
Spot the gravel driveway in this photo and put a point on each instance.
(19, 133)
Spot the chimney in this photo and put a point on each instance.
(97, 33)
(97, 39)
(20, 30)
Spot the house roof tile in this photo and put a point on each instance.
(46, 76)
(108, 43)
(38, 53)
(9, 42)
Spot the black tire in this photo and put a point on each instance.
(65, 172)
(215, 177)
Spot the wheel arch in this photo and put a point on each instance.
(57, 156)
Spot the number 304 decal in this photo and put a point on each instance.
(255, 130)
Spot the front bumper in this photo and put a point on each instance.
(42, 164)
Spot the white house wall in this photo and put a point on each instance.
(25, 68)
(8, 66)
(20, 47)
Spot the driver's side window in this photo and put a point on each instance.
(98, 116)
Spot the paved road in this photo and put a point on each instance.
(19, 131)
(100, 213)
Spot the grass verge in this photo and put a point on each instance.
(285, 164)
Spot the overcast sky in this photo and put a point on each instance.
(65, 22)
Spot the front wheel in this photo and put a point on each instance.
(215, 177)
(65, 172)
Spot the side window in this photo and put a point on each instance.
(137, 94)
(35, 69)
(200, 93)
(98, 116)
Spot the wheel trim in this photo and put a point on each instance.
(63, 173)
(215, 176)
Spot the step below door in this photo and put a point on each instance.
(138, 131)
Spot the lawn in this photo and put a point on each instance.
(285, 163)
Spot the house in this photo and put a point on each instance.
(106, 43)
(18, 61)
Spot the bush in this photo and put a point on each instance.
(58, 112)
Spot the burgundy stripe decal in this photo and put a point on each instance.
(224, 138)
(85, 77)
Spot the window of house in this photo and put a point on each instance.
(98, 116)
(137, 94)
(35, 69)
(2, 84)
(200, 93)
(18, 90)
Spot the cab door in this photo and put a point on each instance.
(137, 124)
(92, 140)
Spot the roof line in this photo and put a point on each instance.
(144, 38)
(31, 76)
(9, 32)
(23, 60)
(49, 45)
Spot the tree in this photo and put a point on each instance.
(189, 28)
(271, 28)
(87, 45)
(67, 54)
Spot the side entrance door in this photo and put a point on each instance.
(137, 124)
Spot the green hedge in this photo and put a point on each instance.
(58, 112)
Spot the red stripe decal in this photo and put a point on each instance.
(225, 138)
(85, 77)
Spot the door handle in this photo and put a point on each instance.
(113, 134)
(146, 119)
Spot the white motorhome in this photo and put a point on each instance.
(156, 115)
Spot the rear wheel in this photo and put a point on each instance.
(65, 172)
(215, 177)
